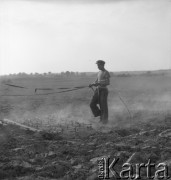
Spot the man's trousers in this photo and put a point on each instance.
(99, 104)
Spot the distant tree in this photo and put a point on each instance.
(148, 73)
(72, 73)
(62, 73)
(67, 73)
(36, 74)
(124, 75)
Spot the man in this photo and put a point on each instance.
(98, 103)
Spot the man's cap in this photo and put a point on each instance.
(100, 62)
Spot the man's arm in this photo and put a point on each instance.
(94, 84)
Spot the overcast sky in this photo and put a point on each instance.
(60, 35)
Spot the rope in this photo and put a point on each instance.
(15, 86)
(43, 88)
(124, 104)
(47, 93)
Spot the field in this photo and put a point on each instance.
(71, 137)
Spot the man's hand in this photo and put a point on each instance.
(90, 85)
(94, 84)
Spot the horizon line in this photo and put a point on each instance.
(131, 71)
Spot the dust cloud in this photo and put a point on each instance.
(141, 109)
